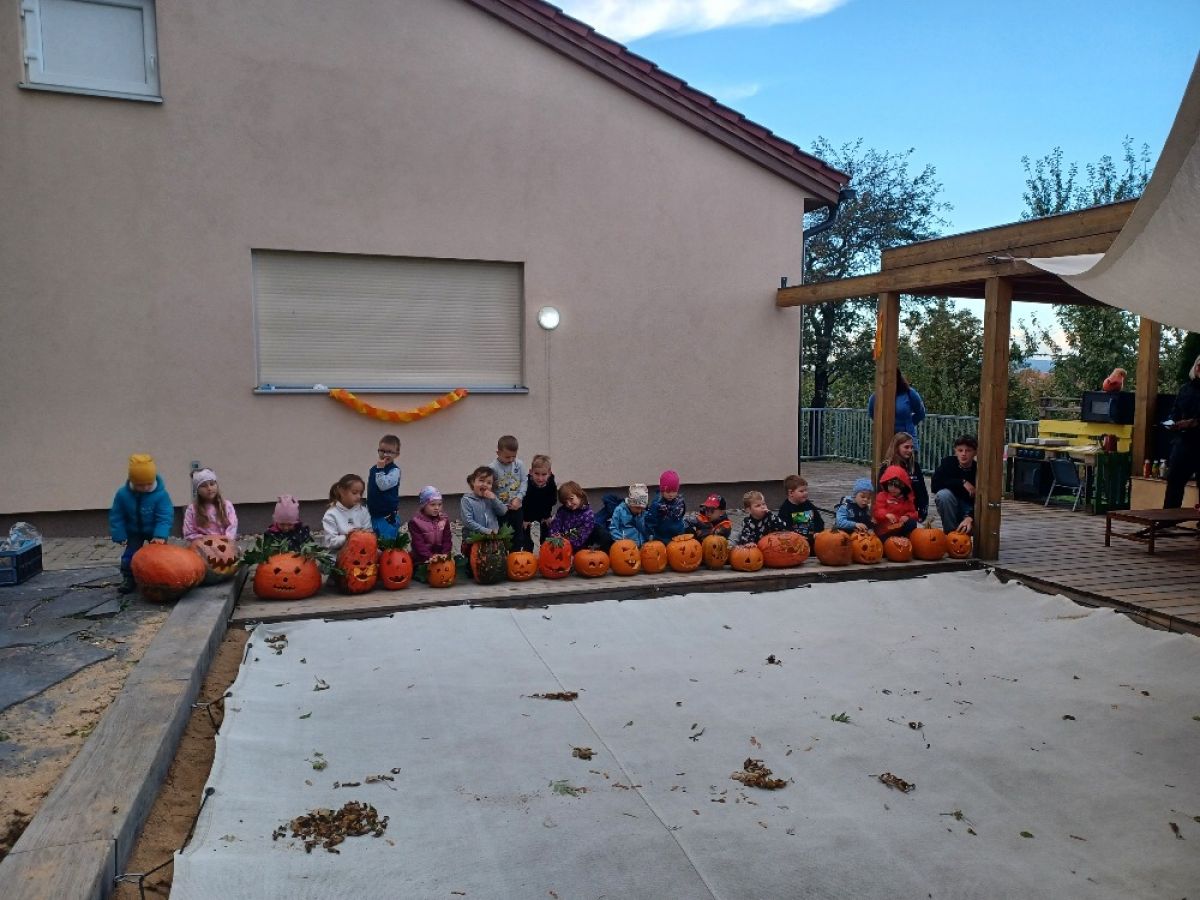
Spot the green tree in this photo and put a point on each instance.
(941, 356)
(1095, 339)
(893, 207)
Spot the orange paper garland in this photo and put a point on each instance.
(402, 416)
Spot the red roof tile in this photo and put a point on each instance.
(611, 60)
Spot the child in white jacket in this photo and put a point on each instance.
(346, 511)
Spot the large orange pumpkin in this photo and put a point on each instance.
(395, 568)
(715, 548)
(220, 555)
(624, 557)
(165, 572)
(554, 557)
(287, 576)
(591, 563)
(489, 559)
(958, 545)
(783, 549)
(654, 557)
(684, 553)
(746, 558)
(358, 561)
(898, 549)
(865, 547)
(928, 543)
(522, 565)
(833, 548)
(440, 570)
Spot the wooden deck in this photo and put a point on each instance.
(1056, 549)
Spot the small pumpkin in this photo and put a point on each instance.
(591, 563)
(866, 547)
(958, 545)
(746, 558)
(165, 572)
(522, 565)
(898, 549)
(833, 548)
(784, 549)
(654, 557)
(715, 549)
(220, 555)
(440, 570)
(554, 557)
(928, 543)
(624, 557)
(358, 561)
(395, 563)
(287, 576)
(684, 553)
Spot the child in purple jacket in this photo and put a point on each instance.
(575, 520)
(429, 529)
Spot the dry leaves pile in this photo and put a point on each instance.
(755, 774)
(557, 695)
(329, 828)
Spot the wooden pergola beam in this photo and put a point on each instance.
(993, 409)
(1146, 390)
(884, 423)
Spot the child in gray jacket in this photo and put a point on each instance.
(481, 509)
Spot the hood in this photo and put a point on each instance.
(895, 472)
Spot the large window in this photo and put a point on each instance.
(91, 46)
(387, 323)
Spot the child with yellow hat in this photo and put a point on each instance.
(141, 511)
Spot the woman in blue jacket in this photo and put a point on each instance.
(910, 408)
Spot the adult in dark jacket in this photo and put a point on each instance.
(954, 486)
(1184, 462)
(910, 408)
(902, 452)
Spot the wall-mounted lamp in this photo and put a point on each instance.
(548, 317)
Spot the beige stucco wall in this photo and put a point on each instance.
(414, 128)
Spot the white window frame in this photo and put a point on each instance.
(383, 318)
(38, 78)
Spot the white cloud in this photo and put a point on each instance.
(731, 93)
(628, 20)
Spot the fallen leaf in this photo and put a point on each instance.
(307, 715)
(1026, 834)
(583, 752)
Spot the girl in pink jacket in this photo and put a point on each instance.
(209, 512)
(429, 529)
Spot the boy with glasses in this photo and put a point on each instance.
(383, 489)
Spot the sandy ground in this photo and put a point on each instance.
(48, 730)
(175, 808)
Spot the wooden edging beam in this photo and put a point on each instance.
(883, 425)
(1146, 387)
(993, 407)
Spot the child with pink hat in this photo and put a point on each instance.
(664, 516)
(286, 525)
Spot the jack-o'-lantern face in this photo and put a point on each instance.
(441, 571)
(554, 558)
(358, 562)
(625, 558)
(654, 557)
(716, 551)
(746, 558)
(591, 563)
(865, 547)
(958, 545)
(220, 555)
(286, 576)
(522, 565)
(395, 569)
(684, 553)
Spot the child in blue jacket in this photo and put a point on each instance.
(665, 515)
(629, 518)
(141, 511)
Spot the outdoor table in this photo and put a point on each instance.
(1157, 523)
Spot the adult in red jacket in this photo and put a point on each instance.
(894, 512)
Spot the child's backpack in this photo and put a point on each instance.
(611, 502)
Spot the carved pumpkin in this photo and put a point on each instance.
(866, 547)
(489, 559)
(165, 572)
(928, 543)
(625, 558)
(654, 557)
(395, 569)
(522, 565)
(746, 558)
(833, 548)
(784, 549)
(591, 563)
(715, 550)
(898, 549)
(220, 555)
(440, 571)
(684, 553)
(554, 558)
(958, 545)
(359, 562)
(287, 576)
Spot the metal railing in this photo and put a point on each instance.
(845, 433)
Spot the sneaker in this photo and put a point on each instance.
(128, 585)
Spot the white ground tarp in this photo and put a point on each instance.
(1051, 747)
(1153, 267)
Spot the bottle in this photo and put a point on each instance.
(1162, 469)
(1154, 472)
(1146, 468)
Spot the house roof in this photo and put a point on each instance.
(674, 96)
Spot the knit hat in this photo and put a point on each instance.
(202, 476)
(863, 484)
(668, 480)
(287, 511)
(638, 495)
(428, 494)
(142, 469)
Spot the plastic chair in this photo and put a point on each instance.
(1065, 476)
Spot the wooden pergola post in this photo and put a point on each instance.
(884, 423)
(993, 408)
(1149, 334)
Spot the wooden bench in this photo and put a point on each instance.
(1156, 523)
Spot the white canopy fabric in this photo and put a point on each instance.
(1153, 267)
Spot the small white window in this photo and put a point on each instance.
(103, 47)
(387, 323)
